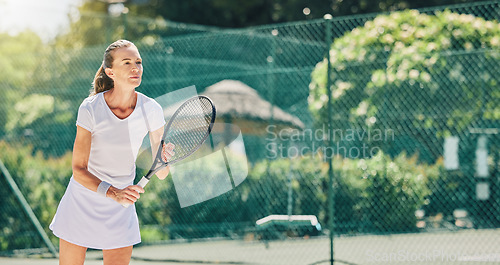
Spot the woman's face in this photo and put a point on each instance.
(127, 67)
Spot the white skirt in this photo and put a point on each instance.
(87, 219)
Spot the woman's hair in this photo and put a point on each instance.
(102, 82)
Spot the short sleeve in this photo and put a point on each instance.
(85, 117)
(157, 120)
(153, 113)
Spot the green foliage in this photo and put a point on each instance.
(382, 193)
(272, 180)
(39, 102)
(17, 66)
(17, 72)
(412, 72)
(400, 48)
(42, 181)
(395, 190)
(95, 27)
(227, 13)
(29, 109)
(378, 194)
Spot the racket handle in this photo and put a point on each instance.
(141, 183)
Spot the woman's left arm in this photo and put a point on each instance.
(155, 139)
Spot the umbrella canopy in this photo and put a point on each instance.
(239, 104)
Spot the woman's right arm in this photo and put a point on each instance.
(81, 154)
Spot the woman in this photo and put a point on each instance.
(111, 125)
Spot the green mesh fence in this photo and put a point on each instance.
(413, 135)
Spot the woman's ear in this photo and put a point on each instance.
(109, 72)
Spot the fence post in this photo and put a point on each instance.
(270, 97)
(329, 151)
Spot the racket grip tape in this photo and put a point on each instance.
(141, 183)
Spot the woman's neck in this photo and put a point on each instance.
(121, 99)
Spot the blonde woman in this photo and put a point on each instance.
(111, 125)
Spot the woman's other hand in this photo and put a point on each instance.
(167, 151)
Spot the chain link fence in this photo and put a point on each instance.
(407, 110)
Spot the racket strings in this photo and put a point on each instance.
(190, 127)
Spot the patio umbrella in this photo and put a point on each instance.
(239, 104)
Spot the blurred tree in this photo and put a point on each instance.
(227, 13)
(42, 182)
(412, 73)
(18, 67)
(93, 26)
(39, 100)
(96, 30)
(235, 14)
(96, 25)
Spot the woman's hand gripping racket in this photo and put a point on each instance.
(186, 130)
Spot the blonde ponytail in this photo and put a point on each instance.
(102, 82)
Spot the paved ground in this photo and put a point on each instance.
(477, 247)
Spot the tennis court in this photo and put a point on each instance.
(431, 248)
(383, 127)
(439, 248)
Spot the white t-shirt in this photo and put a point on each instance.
(115, 141)
(86, 218)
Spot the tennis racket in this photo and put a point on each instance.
(187, 129)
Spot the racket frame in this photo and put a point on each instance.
(154, 167)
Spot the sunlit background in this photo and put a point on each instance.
(46, 18)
